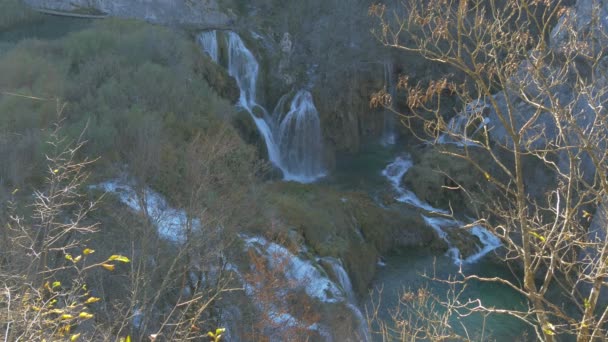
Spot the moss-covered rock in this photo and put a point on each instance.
(438, 178)
(245, 126)
(466, 243)
(217, 77)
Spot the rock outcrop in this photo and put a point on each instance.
(571, 80)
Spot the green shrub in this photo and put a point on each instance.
(117, 76)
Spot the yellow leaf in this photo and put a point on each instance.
(74, 337)
(108, 267)
(538, 236)
(119, 258)
(56, 284)
(88, 251)
(549, 329)
(56, 170)
(14, 191)
(66, 316)
(92, 300)
(77, 259)
(65, 329)
(85, 315)
(69, 257)
(220, 331)
(128, 339)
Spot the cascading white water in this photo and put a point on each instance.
(170, 222)
(243, 66)
(341, 276)
(293, 139)
(208, 41)
(457, 127)
(395, 171)
(344, 281)
(389, 137)
(300, 141)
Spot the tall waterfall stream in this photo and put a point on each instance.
(293, 138)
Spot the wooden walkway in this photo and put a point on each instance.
(70, 14)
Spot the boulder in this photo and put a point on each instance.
(438, 178)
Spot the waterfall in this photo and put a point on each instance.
(341, 276)
(293, 139)
(389, 136)
(300, 140)
(297, 269)
(488, 241)
(363, 332)
(344, 281)
(458, 126)
(208, 41)
(243, 66)
(395, 171)
(170, 222)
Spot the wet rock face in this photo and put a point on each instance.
(197, 14)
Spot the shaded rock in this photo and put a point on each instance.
(438, 178)
(217, 77)
(245, 126)
(468, 244)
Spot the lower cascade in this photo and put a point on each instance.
(395, 171)
(343, 279)
(307, 275)
(293, 139)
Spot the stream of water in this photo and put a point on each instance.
(377, 167)
(293, 138)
